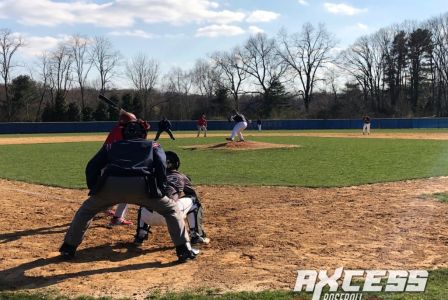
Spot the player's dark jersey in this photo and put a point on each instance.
(238, 117)
(164, 125)
(366, 120)
(127, 158)
(179, 185)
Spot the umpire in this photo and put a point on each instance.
(132, 171)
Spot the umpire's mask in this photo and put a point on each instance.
(134, 130)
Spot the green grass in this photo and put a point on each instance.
(436, 289)
(318, 162)
(248, 131)
(442, 197)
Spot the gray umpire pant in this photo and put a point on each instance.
(130, 190)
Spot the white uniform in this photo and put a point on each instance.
(240, 125)
(185, 204)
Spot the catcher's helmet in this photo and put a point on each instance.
(126, 117)
(135, 129)
(172, 160)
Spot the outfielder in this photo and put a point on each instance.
(240, 125)
(134, 171)
(181, 190)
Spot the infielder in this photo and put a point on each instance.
(240, 125)
(181, 190)
(202, 125)
(134, 171)
(366, 125)
(164, 125)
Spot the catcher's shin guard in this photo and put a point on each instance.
(195, 220)
(143, 229)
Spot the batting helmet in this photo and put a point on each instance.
(172, 160)
(135, 129)
(126, 117)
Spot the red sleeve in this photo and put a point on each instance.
(115, 135)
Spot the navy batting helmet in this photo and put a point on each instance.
(172, 160)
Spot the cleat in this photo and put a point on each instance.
(139, 239)
(200, 240)
(184, 253)
(67, 251)
(197, 239)
(229, 139)
(119, 221)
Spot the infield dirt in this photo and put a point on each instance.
(7, 140)
(260, 237)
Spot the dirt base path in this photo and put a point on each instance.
(247, 134)
(260, 237)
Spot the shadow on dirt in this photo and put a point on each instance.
(13, 236)
(16, 278)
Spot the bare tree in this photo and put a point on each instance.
(44, 77)
(358, 61)
(144, 73)
(61, 77)
(306, 52)
(82, 62)
(230, 65)
(205, 77)
(105, 59)
(9, 44)
(178, 86)
(262, 63)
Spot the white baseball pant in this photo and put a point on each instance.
(238, 129)
(185, 205)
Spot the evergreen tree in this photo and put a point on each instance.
(48, 113)
(100, 113)
(60, 108)
(126, 101)
(73, 113)
(112, 112)
(87, 113)
(420, 49)
(137, 106)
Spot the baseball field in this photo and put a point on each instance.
(281, 202)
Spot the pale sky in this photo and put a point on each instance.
(177, 32)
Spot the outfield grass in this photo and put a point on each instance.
(248, 131)
(318, 162)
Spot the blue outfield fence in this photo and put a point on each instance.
(72, 127)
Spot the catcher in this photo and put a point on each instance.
(181, 190)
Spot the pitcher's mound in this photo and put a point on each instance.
(247, 145)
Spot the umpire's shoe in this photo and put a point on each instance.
(185, 253)
(67, 251)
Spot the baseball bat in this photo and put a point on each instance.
(109, 102)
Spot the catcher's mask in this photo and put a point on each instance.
(126, 117)
(135, 129)
(172, 160)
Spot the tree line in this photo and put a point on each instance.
(397, 71)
